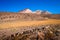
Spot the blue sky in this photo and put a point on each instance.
(16, 5)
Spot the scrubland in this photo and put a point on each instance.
(30, 30)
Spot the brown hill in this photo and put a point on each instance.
(51, 16)
(27, 15)
(19, 16)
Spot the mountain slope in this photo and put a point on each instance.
(27, 14)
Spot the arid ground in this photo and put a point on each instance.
(13, 24)
(9, 30)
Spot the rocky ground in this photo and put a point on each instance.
(44, 32)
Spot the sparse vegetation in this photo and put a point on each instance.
(43, 32)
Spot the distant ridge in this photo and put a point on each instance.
(36, 12)
(27, 14)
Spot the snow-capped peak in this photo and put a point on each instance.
(26, 11)
(36, 12)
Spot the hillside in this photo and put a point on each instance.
(52, 16)
(7, 16)
(19, 16)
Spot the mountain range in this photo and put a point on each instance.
(27, 14)
(34, 12)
